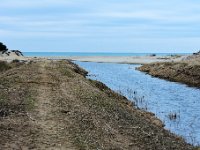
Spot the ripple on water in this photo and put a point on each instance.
(177, 105)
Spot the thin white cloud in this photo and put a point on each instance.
(34, 3)
(5, 32)
(41, 34)
(128, 15)
(9, 19)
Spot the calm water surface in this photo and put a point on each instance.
(177, 105)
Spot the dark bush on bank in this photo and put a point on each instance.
(3, 48)
(197, 53)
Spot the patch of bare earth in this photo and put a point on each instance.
(51, 105)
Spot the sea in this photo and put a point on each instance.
(63, 54)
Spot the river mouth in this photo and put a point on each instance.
(177, 105)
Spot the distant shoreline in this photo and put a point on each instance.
(104, 59)
(127, 58)
(78, 54)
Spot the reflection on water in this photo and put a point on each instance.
(175, 104)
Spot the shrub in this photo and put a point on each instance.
(15, 61)
(4, 66)
(3, 48)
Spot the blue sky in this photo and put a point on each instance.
(101, 25)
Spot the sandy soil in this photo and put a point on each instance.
(51, 105)
(127, 59)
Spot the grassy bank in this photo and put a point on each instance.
(184, 71)
(51, 105)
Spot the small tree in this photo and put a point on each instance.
(3, 48)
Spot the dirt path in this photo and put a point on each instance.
(45, 107)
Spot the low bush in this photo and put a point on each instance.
(4, 66)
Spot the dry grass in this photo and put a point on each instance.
(4, 66)
(73, 113)
(187, 72)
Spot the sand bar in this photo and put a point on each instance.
(123, 59)
(104, 59)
